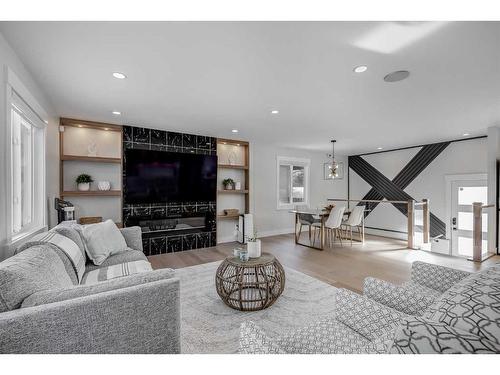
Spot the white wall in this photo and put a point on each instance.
(268, 220)
(9, 59)
(464, 157)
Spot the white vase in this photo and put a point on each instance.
(85, 186)
(253, 248)
(104, 185)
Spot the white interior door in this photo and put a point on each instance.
(463, 194)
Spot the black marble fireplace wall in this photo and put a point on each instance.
(161, 243)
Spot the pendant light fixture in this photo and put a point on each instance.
(333, 165)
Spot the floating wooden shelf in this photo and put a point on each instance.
(234, 191)
(97, 159)
(234, 163)
(230, 166)
(92, 193)
(107, 137)
(228, 216)
(90, 124)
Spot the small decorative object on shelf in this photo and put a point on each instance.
(231, 158)
(104, 185)
(83, 182)
(90, 220)
(231, 211)
(92, 149)
(253, 246)
(228, 184)
(238, 185)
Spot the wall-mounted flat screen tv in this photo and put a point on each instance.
(160, 177)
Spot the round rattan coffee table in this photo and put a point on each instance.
(252, 285)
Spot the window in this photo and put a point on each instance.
(27, 169)
(293, 182)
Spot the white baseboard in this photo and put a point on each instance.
(268, 233)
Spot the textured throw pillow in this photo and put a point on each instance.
(35, 269)
(73, 234)
(102, 240)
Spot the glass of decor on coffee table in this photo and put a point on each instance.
(250, 285)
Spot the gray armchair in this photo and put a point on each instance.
(440, 310)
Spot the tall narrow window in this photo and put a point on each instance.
(293, 180)
(27, 169)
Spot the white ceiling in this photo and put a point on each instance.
(211, 77)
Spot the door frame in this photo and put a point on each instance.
(449, 179)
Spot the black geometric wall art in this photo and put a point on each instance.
(382, 187)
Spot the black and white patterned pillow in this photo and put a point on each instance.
(421, 336)
(472, 305)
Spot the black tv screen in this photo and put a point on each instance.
(160, 176)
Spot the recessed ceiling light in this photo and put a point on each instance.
(275, 111)
(119, 75)
(360, 69)
(397, 76)
(380, 148)
(117, 113)
(45, 121)
(465, 134)
(235, 130)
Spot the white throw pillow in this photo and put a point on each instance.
(103, 240)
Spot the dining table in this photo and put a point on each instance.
(321, 215)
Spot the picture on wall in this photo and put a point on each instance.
(327, 171)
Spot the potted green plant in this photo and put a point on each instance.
(83, 182)
(253, 246)
(228, 184)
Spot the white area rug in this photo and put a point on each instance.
(209, 326)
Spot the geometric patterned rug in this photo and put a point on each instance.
(209, 326)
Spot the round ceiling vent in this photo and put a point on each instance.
(397, 76)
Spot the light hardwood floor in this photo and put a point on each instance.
(345, 267)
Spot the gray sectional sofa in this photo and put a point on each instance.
(440, 310)
(46, 308)
(43, 308)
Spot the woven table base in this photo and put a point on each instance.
(252, 285)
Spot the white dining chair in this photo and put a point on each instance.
(333, 225)
(355, 219)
